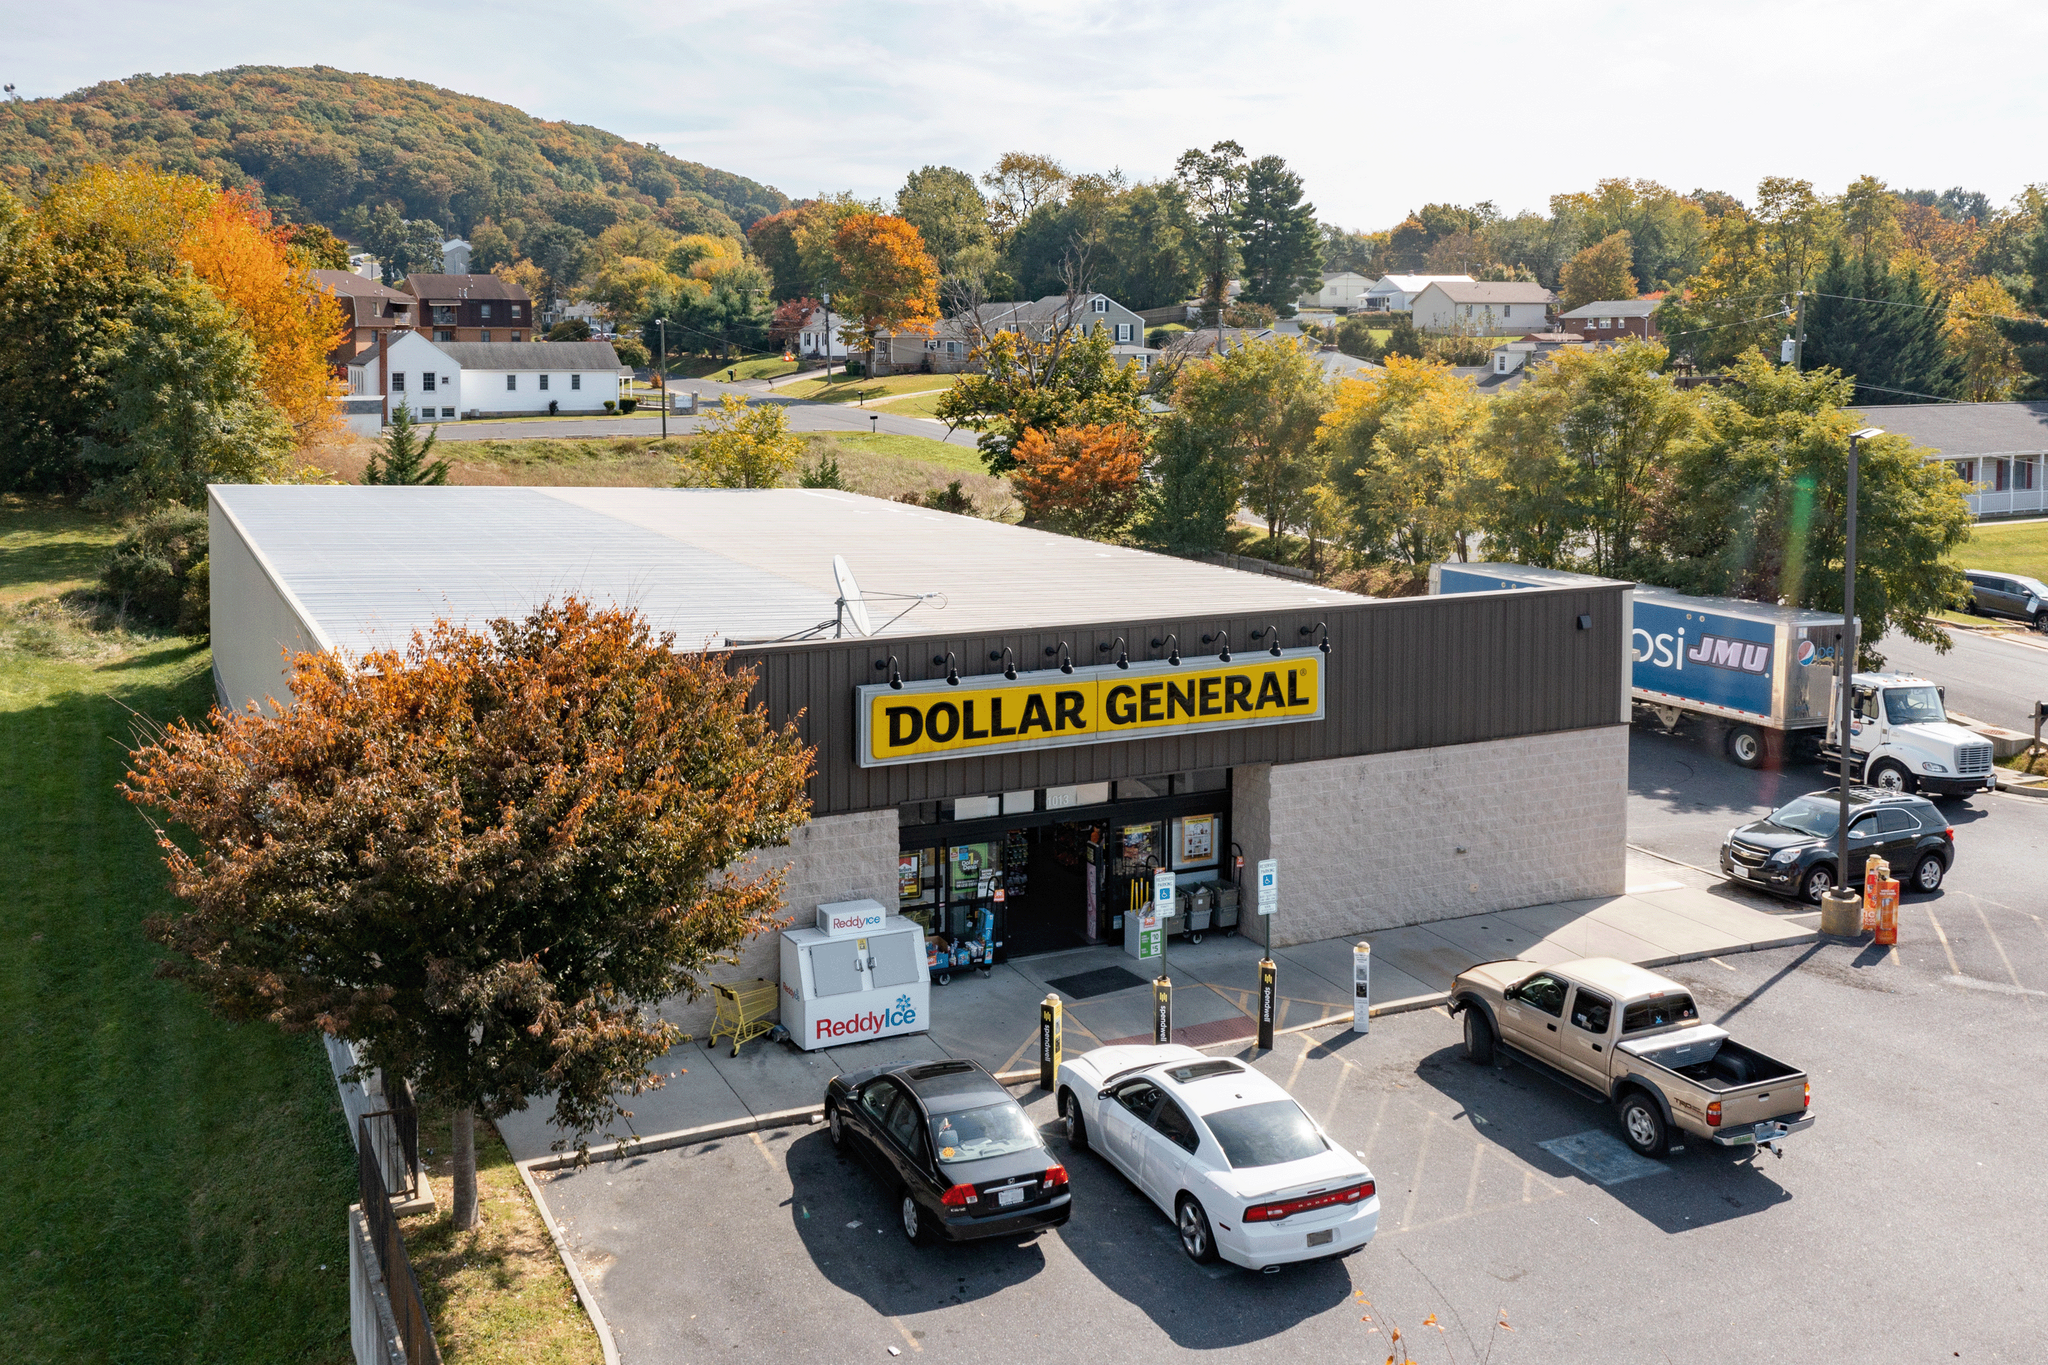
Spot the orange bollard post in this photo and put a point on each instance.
(1888, 912)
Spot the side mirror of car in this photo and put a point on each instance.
(1102, 1094)
(1511, 992)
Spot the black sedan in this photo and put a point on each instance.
(1791, 851)
(958, 1154)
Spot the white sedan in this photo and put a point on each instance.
(1242, 1169)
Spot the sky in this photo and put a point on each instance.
(1379, 107)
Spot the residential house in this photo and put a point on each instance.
(817, 336)
(471, 308)
(1396, 293)
(455, 257)
(1612, 319)
(1481, 308)
(2000, 449)
(444, 380)
(373, 310)
(946, 348)
(1515, 355)
(1342, 290)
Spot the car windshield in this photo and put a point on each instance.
(1813, 815)
(2034, 586)
(991, 1130)
(1265, 1134)
(1914, 706)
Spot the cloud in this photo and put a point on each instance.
(1380, 107)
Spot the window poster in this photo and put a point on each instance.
(1137, 841)
(908, 881)
(1197, 839)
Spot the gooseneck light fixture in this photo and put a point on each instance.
(895, 672)
(950, 664)
(1173, 655)
(1224, 636)
(1123, 653)
(1272, 633)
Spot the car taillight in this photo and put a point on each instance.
(1055, 1175)
(959, 1196)
(1807, 1103)
(1287, 1208)
(1949, 833)
(1714, 1114)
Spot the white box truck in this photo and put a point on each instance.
(1758, 679)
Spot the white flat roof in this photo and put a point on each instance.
(371, 565)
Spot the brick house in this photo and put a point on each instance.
(471, 308)
(373, 309)
(1611, 319)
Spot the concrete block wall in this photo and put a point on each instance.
(1372, 842)
(833, 858)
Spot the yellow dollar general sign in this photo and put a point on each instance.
(923, 721)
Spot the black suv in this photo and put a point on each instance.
(960, 1157)
(2005, 594)
(1791, 851)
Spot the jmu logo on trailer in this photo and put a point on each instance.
(1725, 651)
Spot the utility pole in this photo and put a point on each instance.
(1841, 910)
(1799, 355)
(661, 328)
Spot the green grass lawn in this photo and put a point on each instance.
(843, 388)
(2011, 548)
(175, 1189)
(705, 367)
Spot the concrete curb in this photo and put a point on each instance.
(583, 1294)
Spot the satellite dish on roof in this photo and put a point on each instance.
(853, 608)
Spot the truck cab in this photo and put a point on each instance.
(1901, 738)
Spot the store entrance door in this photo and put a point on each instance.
(1052, 913)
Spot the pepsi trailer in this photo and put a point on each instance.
(1756, 676)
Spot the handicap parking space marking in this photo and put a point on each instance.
(1602, 1156)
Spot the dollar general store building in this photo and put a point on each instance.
(1065, 718)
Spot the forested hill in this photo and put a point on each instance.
(327, 146)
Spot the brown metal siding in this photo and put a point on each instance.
(1408, 673)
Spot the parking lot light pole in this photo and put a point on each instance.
(1841, 911)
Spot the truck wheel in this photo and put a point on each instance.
(1891, 777)
(1642, 1125)
(1817, 884)
(1927, 874)
(1746, 746)
(1478, 1037)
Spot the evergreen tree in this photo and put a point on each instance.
(1281, 245)
(404, 459)
(1882, 327)
(1402, 338)
(2028, 336)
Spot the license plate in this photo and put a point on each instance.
(1008, 1197)
(1744, 873)
(1323, 1238)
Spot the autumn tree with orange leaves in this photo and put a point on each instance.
(888, 282)
(1081, 480)
(156, 334)
(484, 860)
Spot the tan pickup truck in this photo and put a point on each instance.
(1634, 1039)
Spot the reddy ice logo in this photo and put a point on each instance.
(871, 1021)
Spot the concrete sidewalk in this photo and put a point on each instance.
(994, 1019)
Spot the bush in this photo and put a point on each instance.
(952, 498)
(626, 405)
(1159, 336)
(631, 352)
(825, 473)
(1251, 316)
(570, 329)
(1355, 338)
(1459, 350)
(158, 571)
(610, 405)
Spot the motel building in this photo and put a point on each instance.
(1032, 725)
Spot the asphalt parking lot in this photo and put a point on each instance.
(1906, 1225)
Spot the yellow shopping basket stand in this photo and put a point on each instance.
(745, 1010)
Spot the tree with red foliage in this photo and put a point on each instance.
(1081, 480)
(484, 860)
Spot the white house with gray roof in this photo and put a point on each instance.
(1999, 449)
(446, 380)
(1482, 307)
(1396, 293)
(945, 348)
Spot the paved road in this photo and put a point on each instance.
(1994, 678)
(803, 416)
(1905, 1226)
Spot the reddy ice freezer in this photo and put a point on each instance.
(859, 975)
